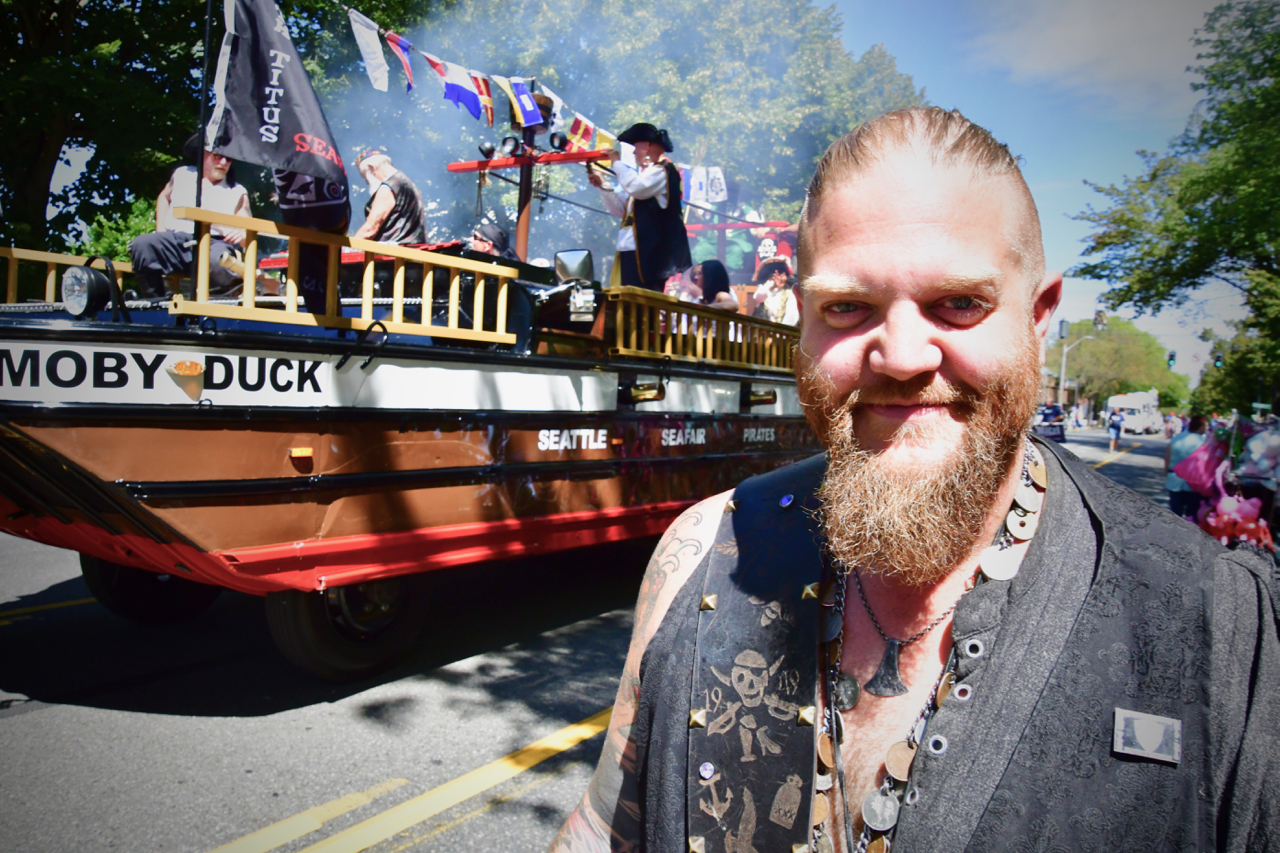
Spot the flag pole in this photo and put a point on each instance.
(525, 200)
(204, 98)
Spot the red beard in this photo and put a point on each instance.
(898, 520)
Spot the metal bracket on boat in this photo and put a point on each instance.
(208, 326)
(360, 341)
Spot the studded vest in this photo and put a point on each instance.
(1118, 606)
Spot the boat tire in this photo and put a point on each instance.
(145, 597)
(348, 632)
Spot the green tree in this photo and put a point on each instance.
(1119, 360)
(760, 88)
(120, 80)
(109, 235)
(1210, 208)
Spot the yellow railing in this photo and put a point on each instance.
(646, 324)
(51, 261)
(332, 317)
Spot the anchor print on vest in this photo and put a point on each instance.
(717, 807)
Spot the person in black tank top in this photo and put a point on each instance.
(395, 212)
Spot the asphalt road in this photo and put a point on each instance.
(199, 736)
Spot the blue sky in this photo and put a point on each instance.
(1075, 88)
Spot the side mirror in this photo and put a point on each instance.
(574, 265)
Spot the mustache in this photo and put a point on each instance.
(924, 390)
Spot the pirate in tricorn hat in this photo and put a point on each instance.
(652, 243)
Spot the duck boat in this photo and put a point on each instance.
(444, 410)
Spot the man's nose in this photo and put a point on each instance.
(905, 345)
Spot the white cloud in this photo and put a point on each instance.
(1129, 55)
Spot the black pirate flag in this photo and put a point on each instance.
(266, 112)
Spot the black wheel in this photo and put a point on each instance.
(348, 632)
(143, 596)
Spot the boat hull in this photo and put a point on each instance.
(294, 463)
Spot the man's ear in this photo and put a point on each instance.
(1044, 302)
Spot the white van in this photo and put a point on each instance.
(1141, 411)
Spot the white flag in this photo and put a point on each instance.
(716, 189)
(366, 33)
(557, 109)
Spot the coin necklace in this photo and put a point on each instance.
(881, 807)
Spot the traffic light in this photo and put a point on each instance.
(1173, 358)
(1217, 359)
(1099, 321)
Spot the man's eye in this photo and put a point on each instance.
(843, 307)
(964, 310)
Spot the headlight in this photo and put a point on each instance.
(85, 291)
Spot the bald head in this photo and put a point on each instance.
(947, 141)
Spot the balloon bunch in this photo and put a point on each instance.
(1261, 456)
(1234, 519)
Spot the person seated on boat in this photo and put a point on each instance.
(652, 243)
(394, 212)
(774, 298)
(168, 250)
(492, 239)
(709, 284)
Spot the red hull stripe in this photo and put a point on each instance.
(333, 562)
(323, 563)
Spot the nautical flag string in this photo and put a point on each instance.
(472, 89)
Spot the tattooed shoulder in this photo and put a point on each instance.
(678, 553)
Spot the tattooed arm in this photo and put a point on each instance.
(608, 818)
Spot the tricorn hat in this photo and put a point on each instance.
(645, 132)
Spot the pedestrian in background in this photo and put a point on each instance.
(1183, 500)
(1115, 427)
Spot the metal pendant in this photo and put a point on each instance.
(832, 622)
(945, 684)
(821, 808)
(826, 752)
(1039, 475)
(1022, 526)
(1028, 497)
(879, 844)
(898, 760)
(887, 681)
(844, 692)
(999, 565)
(824, 844)
(880, 811)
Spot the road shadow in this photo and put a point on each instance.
(224, 662)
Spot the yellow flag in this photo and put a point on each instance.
(505, 85)
(604, 139)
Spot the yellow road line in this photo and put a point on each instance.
(411, 812)
(440, 829)
(24, 610)
(290, 829)
(1112, 457)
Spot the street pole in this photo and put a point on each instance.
(1062, 372)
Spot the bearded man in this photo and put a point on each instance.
(938, 635)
